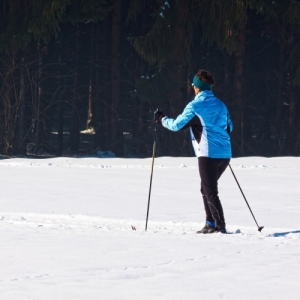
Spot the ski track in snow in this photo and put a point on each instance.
(146, 164)
(86, 223)
(104, 166)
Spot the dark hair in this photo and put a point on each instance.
(206, 77)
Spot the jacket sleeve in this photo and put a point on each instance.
(181, 121)
(229, 123)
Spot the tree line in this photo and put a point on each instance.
(81, 76)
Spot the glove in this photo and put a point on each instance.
(158, 115)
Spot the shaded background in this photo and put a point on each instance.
(78, 77)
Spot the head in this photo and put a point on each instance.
(202, 81)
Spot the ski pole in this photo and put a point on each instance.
(153, 155)
(259, 227)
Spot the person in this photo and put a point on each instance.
(209, 122)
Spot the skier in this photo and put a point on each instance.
(209, 122)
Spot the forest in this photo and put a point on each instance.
(82, 76)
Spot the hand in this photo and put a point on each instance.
(158, 115)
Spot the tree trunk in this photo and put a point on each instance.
(179, 69)
(238, 90)
(106, 89)
(6, 113)
(91, 101)
(98, 115)
(116, 105)
(60, 106)
(2, 121)
(21, 145)
(38, 108)
(10, 107)
(60, 125)
(292, 111)
(175, 142)
(291, 131)
(89, 122)
(74, 138)
(280, 82)
(228, 82)
(141, 130)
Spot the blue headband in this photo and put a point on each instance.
(200, 84)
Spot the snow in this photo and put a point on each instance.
(66, 230)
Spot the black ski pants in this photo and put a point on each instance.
(210, 170)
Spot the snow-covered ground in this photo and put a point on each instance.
(65, 230)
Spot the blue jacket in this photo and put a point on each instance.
(209, 122)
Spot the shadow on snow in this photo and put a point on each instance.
(279, 234)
